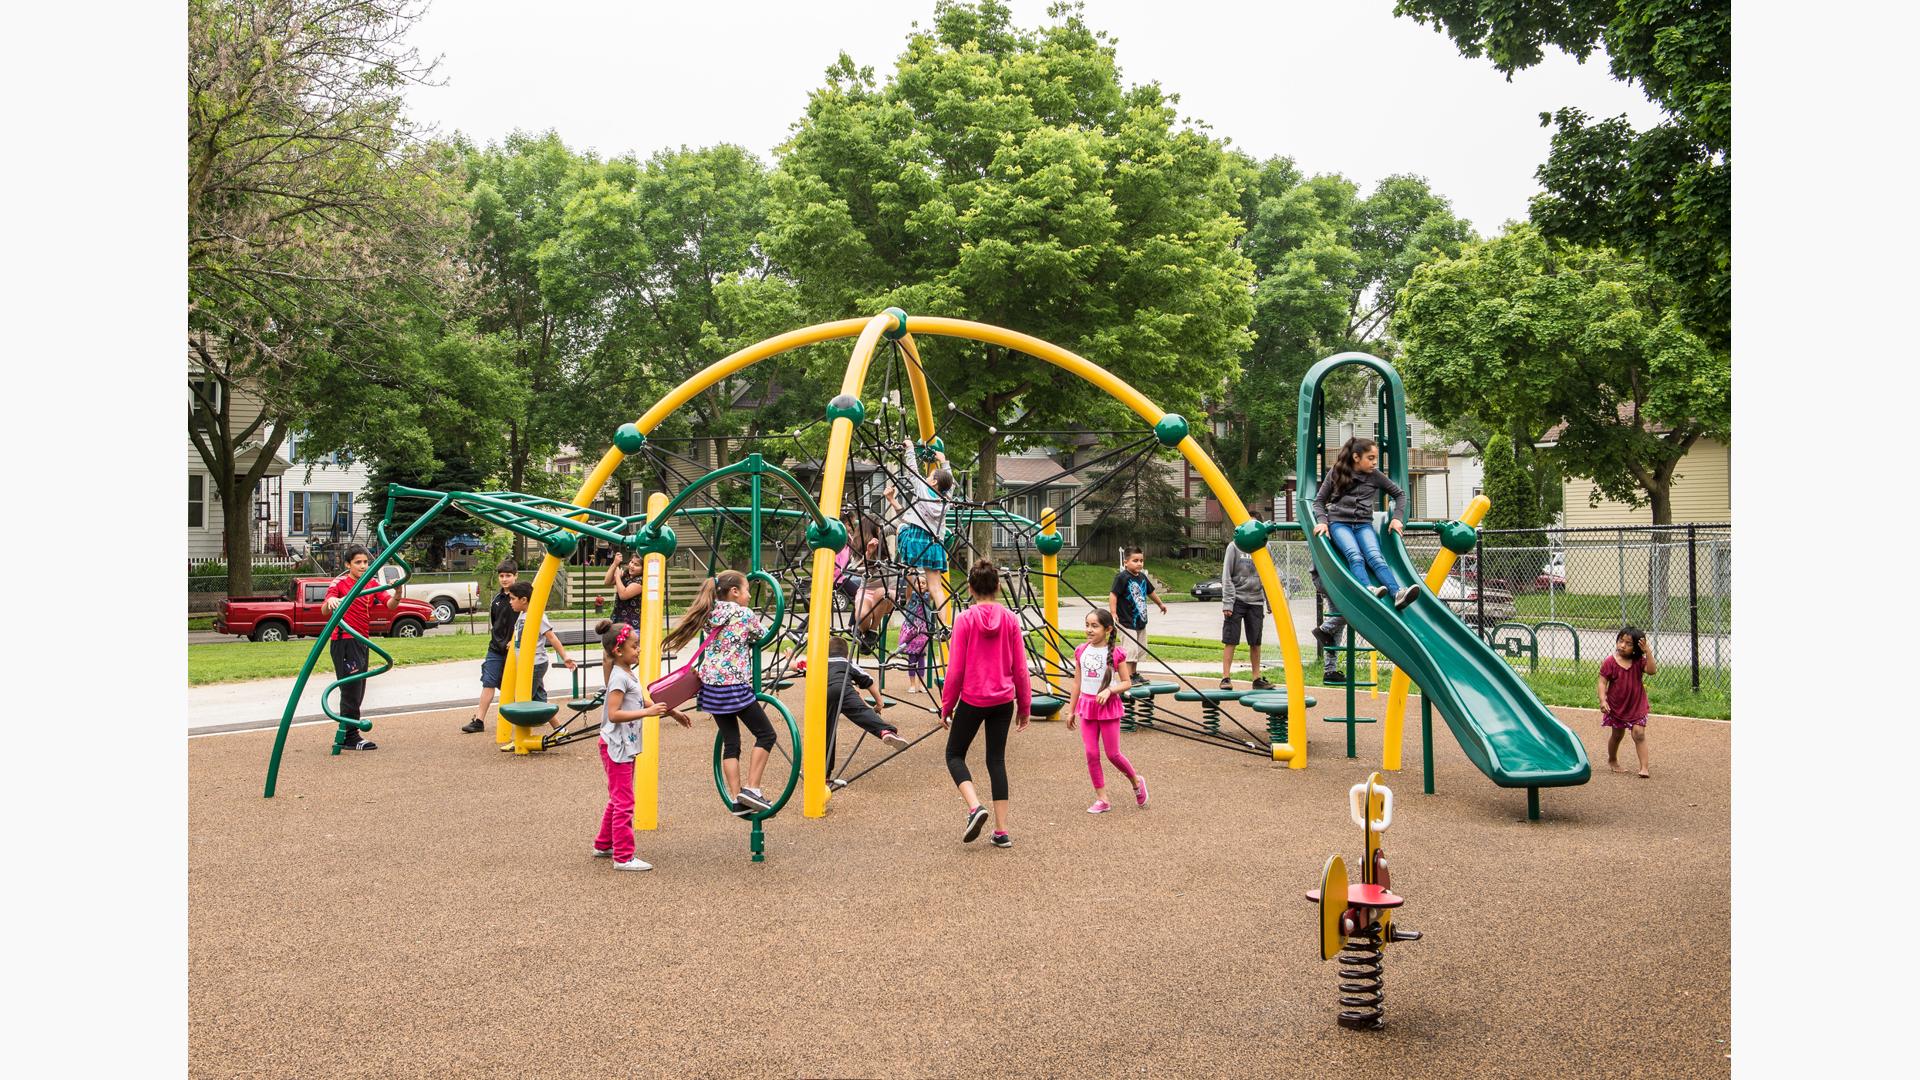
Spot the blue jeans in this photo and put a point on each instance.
(1360, 545)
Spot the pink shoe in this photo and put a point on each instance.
(1100, 806)
(1140, 790)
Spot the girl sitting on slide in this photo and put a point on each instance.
(1344, 509)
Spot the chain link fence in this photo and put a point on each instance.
(1551, 601)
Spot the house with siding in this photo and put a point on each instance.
(294, 503)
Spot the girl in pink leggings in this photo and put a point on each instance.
(1096, 706)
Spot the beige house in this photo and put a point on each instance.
(1702, 492)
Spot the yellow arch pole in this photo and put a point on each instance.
(1050, 602)
(833, 489)
(597, 479)
(1294, 751)
(1395, 726)
(653, 622)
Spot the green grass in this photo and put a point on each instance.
(1604, 611)
(1564, 683)
(1094, 579)
(221, 663)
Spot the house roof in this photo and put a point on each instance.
(1022, 471)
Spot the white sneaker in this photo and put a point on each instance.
(633, 864)
(603, 853)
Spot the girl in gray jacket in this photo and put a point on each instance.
(1344, 508)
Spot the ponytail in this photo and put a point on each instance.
(695, 619)
(1105, 619)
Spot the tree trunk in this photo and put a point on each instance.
(987, 479)
(517, 481)
(236, 499)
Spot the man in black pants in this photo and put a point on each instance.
(1328, 635)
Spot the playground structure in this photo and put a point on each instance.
(1503, 728)
(1356, 920)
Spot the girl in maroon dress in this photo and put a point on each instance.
(1623, 695)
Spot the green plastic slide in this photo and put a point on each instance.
(1504, 729)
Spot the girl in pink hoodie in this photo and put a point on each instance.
(987, 686)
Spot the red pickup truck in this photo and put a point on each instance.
(301, 613)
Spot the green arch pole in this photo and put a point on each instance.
(386, 555)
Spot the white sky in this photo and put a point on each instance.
(1341, 87)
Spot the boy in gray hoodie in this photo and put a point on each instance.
(1243, 603)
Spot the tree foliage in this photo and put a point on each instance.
(1007, 174)
(1328, 266)
(1529, 335)
(1664, 194)
(317, 228)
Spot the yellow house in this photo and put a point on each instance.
(1702, 492)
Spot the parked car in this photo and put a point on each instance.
(299, 612)
(1554, 577)
(446, 598)
(1465, 600)
(1207, 590)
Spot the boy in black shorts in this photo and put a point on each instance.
(500, 620)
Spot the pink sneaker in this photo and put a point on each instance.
(1140, 790)
(1100, 806)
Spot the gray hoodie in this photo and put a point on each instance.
(1239, 580)
(1355, 505)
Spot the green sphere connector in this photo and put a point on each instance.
(1250, 536)
(1049, 543)
(1171, 429)
(848, 406)
(926, 450)
(828, 533)
(564, 545)
(899, 328)
(658, 541)
(1457, 536)
(629, 438)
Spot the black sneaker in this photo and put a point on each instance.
(474, 726)
(1139, 679)
(361, 745)
(1405, 597)
(1323, 636)
(976, 820)
(1262, 684)
(753, 798)
(1226, 684)
(741, 809)
(870, 640)
(1001, 840)
(1334, 675)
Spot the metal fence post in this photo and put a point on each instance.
(1693, 605)
(1480, 580)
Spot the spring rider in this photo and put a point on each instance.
(1356, 921)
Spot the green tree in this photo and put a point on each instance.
(517, 193)
(317, 224)
(1007, 175)
(1328, 266)
(1664, 194)
(661, 262)
(1528, 335)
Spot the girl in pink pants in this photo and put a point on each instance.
(1096, 707)
(625, 707)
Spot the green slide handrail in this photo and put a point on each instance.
(1503, 728)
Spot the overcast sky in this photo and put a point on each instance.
(1340, 85)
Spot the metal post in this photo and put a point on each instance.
(1426, 741)
(1533, 804)
(1693, 605)
(1480, 579)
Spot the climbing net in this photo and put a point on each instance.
(882, 439)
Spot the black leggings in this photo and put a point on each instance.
(967, 719)
(757, 722)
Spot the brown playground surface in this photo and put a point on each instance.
(430, 908)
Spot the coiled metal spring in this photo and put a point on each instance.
(1362, 986)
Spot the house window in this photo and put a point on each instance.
(196, 501)
(319, 510)
(203, 400)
